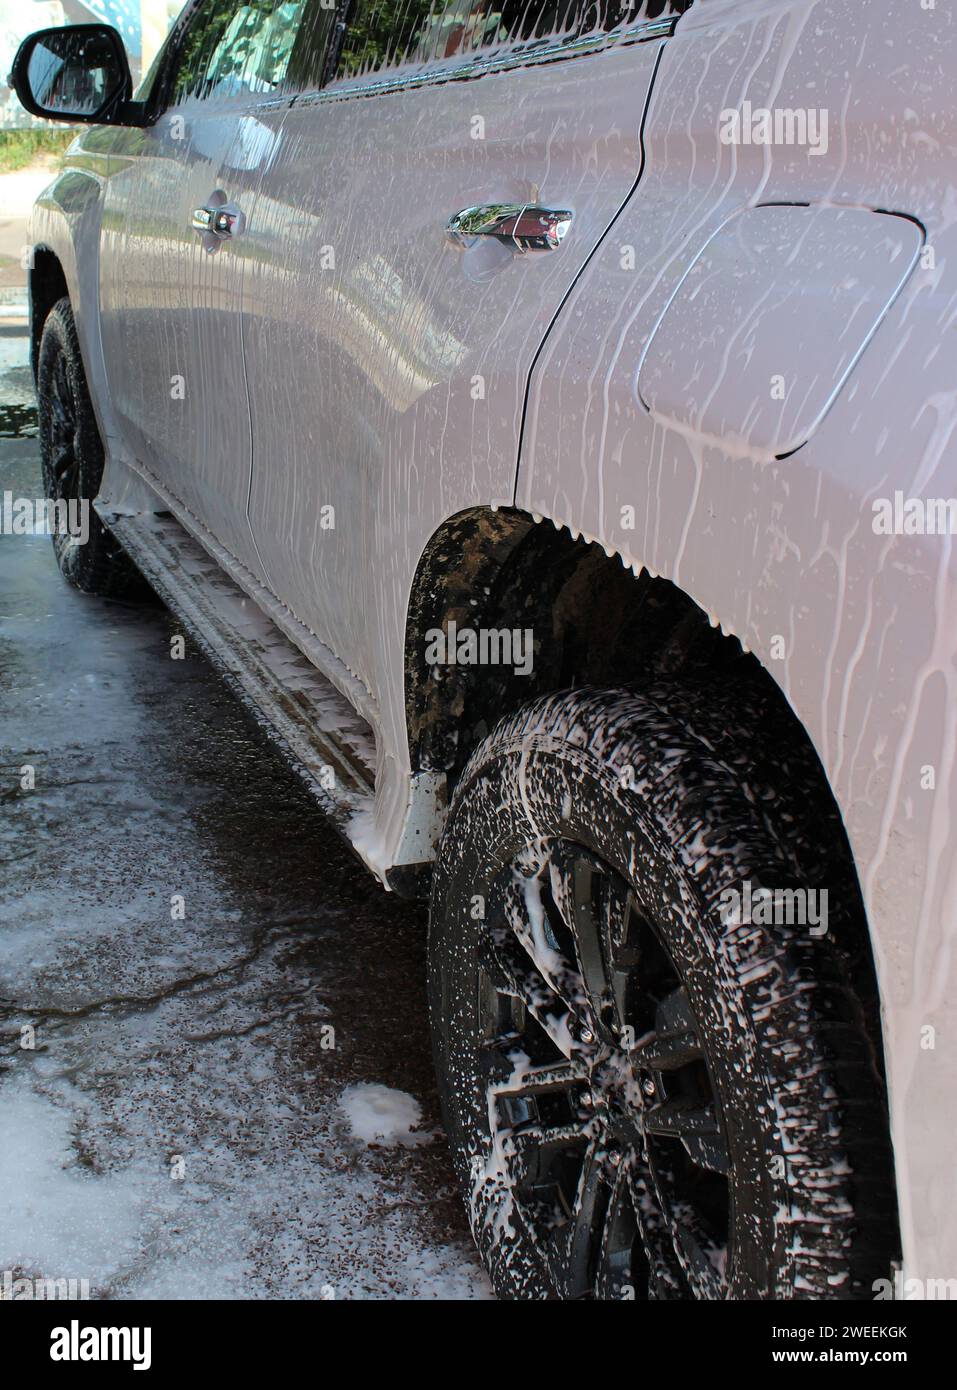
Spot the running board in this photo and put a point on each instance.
(328, 744)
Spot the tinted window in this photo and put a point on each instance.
(260, 47)
(386, 33)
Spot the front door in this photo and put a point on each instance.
(387, 360)
(173, 255)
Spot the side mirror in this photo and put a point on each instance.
(77, 73)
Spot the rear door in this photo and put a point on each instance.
(387, 364)
(173, 252)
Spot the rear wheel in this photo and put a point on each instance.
(647, 1094)
(71, 455)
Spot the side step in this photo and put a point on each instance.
(329, 745)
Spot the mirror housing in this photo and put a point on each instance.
(78, 73)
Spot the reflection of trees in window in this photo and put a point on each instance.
(269, 46)
(534, 19)
(381, 30)
(261, 46)
(386, 33)
(254, 50)
(199, 45)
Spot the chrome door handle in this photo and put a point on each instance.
(526, 226)
(222, 222)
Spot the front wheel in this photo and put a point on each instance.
(72, 460)
(648, 1094)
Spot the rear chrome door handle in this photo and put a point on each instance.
(526, 226)
(223, 222)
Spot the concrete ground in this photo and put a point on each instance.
(215, 1075)
(18, 190)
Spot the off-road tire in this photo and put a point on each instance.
(595, 807)
(71, 456)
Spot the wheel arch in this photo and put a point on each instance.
(47, 283)
(594, 618)
(595, 622)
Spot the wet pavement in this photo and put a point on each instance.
(193, 970)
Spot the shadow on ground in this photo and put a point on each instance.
(179, 932)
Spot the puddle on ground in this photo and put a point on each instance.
(18, 421)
